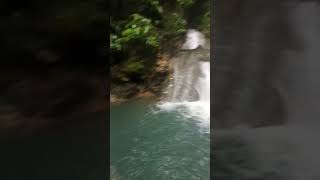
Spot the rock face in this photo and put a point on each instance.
(151, 88)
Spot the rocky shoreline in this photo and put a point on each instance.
(151, 89)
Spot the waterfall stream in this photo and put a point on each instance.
(168, 139)
(189, 89)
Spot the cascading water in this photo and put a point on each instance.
(189, 89)
(162, 140)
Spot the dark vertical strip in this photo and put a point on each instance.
(107, 95)
(212, 88)
(261, 98)
(52, 90)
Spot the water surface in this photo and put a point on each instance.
(152, 143)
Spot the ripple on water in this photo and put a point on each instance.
(152, 143)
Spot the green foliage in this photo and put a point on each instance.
(185, 3)
(205, 24)
(150, 22)
(133, 66)
(156, 5)
(140, 28)
(137, 29)
(174, 26)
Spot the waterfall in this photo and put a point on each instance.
(203, 86)
(189, 88)
(194, 40)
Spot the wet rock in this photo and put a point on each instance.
(150, 88)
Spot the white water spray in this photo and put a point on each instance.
(190, 86)
(194, 39)
(203, 87)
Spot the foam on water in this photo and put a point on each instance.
(192, 110)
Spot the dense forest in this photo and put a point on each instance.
(144, 31)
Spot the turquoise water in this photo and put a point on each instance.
(152, 144)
